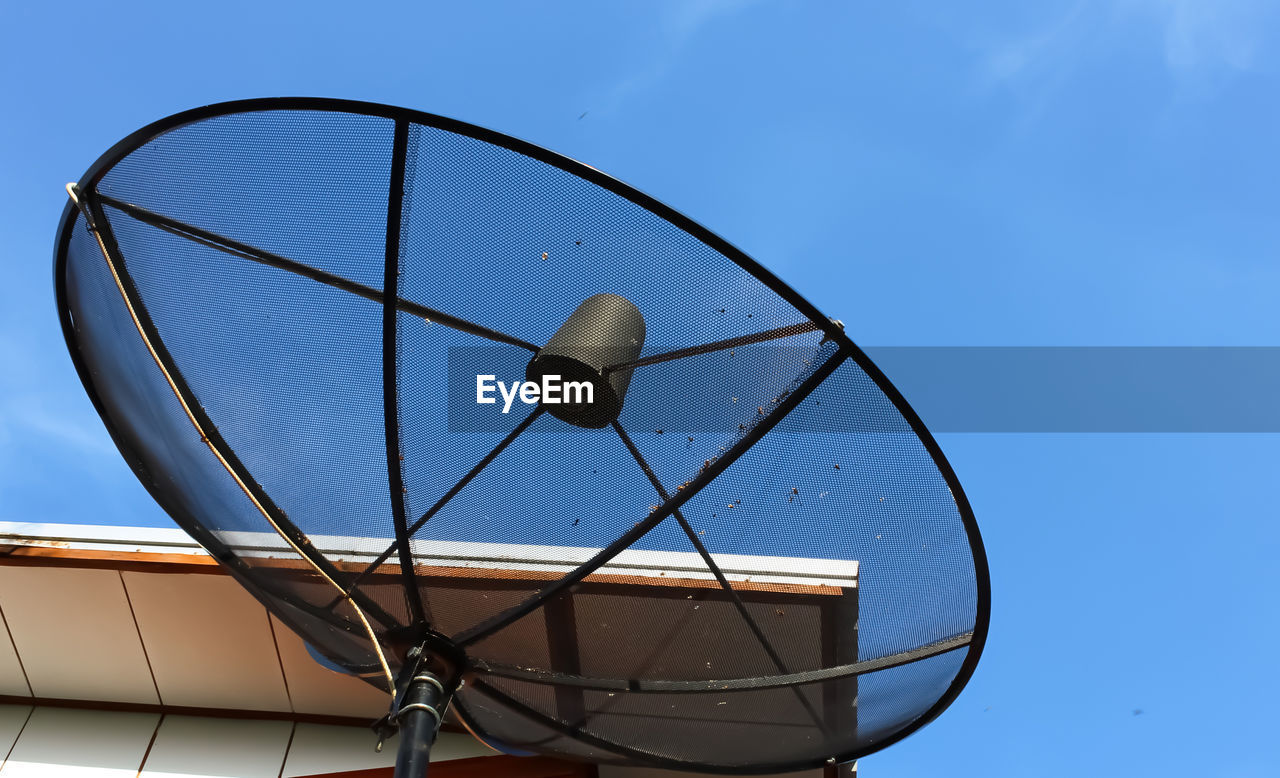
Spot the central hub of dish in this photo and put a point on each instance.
(604, 332)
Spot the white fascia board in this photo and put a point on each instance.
(800, 571)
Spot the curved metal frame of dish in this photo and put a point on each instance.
(832, 331)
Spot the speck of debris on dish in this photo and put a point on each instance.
(730, 505)
(837, 467)
(690, 438)
(544, 256)
(702, 532)
(577, 243)
(759, 410)
(657, 432)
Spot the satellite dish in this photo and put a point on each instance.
(490, 428)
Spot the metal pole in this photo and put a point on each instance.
(418, 719)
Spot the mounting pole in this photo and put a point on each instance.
(419, 720)
(424, 687)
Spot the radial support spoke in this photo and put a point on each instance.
(750, 621)
(719, 345)
(717, 466)
(245, 251)
(390, 361)
(449, 495)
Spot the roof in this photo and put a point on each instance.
(128, 628)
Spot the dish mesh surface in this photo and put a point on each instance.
(236, 339)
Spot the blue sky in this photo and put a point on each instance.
(1057, 173)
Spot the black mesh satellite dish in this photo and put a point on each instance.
(731, 546)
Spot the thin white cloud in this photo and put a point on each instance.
(683, 20)
(30, 417)
(1200, 44)
(1198, 37)
(1040, 54)
(1212, 33)
(37, 406)
(680, 23)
